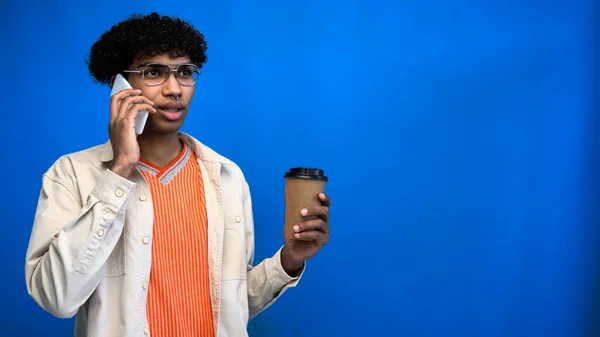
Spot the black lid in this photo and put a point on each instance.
(306, 173)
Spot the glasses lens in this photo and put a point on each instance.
(155, 74)
(187, 74)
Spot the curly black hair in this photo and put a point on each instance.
(143, 36)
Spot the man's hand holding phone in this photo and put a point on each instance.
(124, 107)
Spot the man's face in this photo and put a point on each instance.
(171, 98)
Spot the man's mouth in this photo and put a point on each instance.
(171, 111)
(171, 107)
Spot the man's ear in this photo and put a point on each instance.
(112, 80)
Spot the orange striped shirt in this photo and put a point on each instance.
(178, 293)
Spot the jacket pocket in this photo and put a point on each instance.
(115, 265)
(234, 248)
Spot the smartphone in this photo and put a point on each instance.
(141, 118)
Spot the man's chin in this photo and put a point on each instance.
(163, 127)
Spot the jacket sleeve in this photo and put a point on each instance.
(71, 239)
(267, 280)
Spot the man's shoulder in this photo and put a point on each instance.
(90, 158)
(206, 153)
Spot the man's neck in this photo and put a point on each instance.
(159, 150)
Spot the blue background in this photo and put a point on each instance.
(460, 138)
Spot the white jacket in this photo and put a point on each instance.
(90, 248)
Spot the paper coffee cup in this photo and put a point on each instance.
(302, 188)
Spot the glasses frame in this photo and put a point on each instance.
(142, 71)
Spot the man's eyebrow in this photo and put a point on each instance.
(172, 65)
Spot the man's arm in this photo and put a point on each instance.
(268, 280)
(71, 239)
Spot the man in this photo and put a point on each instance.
(153, 234)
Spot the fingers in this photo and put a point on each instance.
(317, 236)
(133, 103)
(116, 100)
(316, 211)
(312, 225)
(317, 228)
(133, 112)
(325, 201)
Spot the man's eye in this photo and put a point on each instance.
(153, 72)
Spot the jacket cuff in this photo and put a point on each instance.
(112, 189)
(277, 276)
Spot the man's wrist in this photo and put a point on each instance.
(290, 266)
(124, 170)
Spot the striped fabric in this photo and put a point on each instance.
(178, 293)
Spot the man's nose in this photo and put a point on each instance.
(172, 86)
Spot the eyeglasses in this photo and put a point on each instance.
(157, 73)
